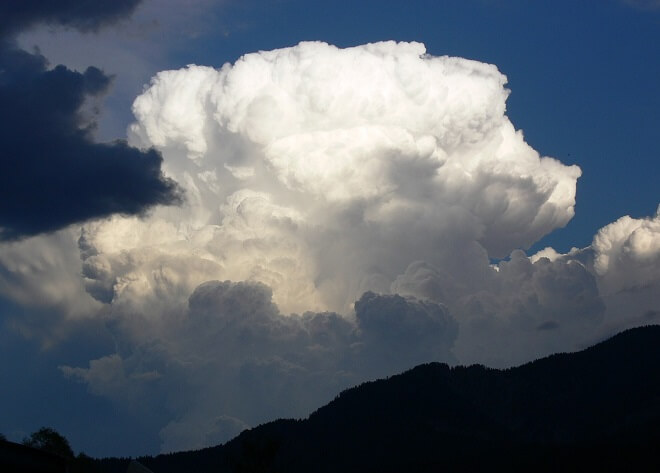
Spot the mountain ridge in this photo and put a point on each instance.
(599, 407)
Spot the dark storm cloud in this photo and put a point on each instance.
(85, 15)
(52, 173)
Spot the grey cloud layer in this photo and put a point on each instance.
(231, 359)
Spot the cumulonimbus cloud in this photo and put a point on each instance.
(342, 210)
(324, 172)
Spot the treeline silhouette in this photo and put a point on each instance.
(595, 410)
(44, 451)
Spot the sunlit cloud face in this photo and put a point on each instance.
(324, 172)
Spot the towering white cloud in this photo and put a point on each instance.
(323, 172)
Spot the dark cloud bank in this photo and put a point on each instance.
(85, 15)
(52, 173)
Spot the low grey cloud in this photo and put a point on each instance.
(391, 325)
(522, 308)
(232, 359)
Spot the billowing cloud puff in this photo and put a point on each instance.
(626, 261)
(522, 306)
(627, 253)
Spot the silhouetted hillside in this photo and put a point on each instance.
(598, 409)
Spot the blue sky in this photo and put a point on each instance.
(583, 75)
(123, 322)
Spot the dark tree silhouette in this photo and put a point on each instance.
(49, 440)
